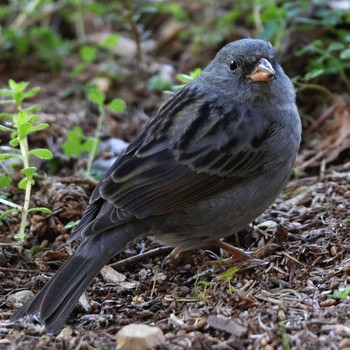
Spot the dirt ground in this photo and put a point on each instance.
(289, 298)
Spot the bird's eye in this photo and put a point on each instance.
(232, 64)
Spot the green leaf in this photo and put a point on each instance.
(27, 253)
(6, 92)
(228, 275)
(71, 224)
(340, 294)
(335, 47)
(21, 118)
(4, 128)
(5, 181)
(344, 55)
(184, 78)
(117, 105)
(32, 109)
(8, 212)
(159, 84)
(29, 172)
(88, 53)
(24, 130)
(40, 126)
(77, 143)
(41, 153)
(110, 42)
(14, 142)
(78, 68)
(206, 283)
(22, 184)
(18, 97)
(35, 249)
(32, 119)
(194, 74)
(41, 210)
(32, 92)
(96, 96)
(21, 237)
(314, 74)
(317, 43)
(12, 85)
(21, 86)
(6, 115)
(8, 156)
(89, 143)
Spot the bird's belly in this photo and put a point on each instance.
(221, 215)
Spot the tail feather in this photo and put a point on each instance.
(57, 299)
(55, 302)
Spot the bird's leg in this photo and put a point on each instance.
(173, 256)
(236, 253)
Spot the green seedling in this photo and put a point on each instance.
(19, 125)
(227, 277)
(184, 79)
(77, 143)
(201, 288)
(340, 294)
(331, 59)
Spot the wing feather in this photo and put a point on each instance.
(178, 160)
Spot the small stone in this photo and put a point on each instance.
(18, 299)
(111, 275)
(268, 347)
(139, 336)
(333, 250)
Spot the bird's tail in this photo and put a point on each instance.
(56, 300)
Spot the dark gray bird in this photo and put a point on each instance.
(211, 160)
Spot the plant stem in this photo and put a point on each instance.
(343, 76)
(24, 150)
(257, 19)
(92, 153)
(28, 11)
(320, 88)
(80, 23)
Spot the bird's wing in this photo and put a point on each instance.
(194, 147)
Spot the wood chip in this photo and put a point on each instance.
(328, 302)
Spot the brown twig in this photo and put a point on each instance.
(149, 254)
(12, 269)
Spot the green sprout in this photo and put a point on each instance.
(19, 125)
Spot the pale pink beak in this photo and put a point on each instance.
(263, 71)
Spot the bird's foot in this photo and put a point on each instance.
(236, 253)
(172, 257)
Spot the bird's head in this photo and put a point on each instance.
(248, 71)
